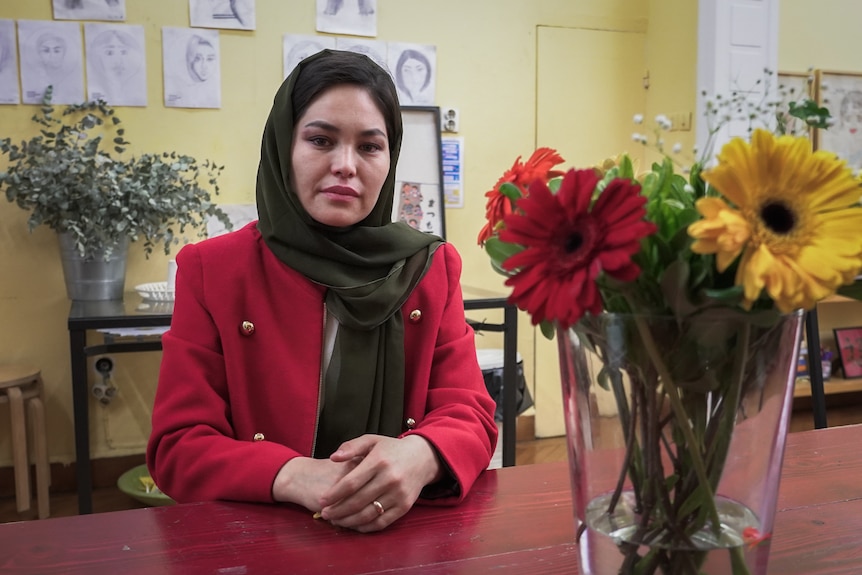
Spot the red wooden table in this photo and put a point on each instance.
(516, 520)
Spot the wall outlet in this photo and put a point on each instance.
(449, 119)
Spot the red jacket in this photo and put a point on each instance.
(234, 404)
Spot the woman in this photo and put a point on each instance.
(320, 356)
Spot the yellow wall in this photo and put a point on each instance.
(486, 68)
(488, 49)
(818, 35)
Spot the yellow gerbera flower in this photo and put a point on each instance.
(790, 214)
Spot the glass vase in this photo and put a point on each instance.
(676, 432)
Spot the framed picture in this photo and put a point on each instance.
(419, 175)
(795, 87)
(848, 340)
(841, 92)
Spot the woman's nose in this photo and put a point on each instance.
(344, 162)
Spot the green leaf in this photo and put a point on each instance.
(511, 191)
(500, 251)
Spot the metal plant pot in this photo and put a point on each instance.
(93, 278)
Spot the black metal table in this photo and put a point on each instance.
(86, 316)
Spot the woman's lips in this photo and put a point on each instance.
(342, 193)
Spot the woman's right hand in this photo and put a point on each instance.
(303, 480)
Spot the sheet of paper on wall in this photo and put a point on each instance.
(51, 56)
(114, 10)
(228, 14)
(417, 205)
(355, 17)
(453, 172)
(9, 93)
(192, 64)
(238, 214)
(374, 49)
(297, 47)
(414, 69)
(116, 64)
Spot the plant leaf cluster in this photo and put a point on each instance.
(73, 176)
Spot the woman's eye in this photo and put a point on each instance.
(371, 147)
(318, 140)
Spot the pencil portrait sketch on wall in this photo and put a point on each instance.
(114, 10)
(228, 14)
(356, 17)
(297, 47)
(414, 68)
(841, 92)
(116, 64)
(51, 56)
(374, 49)
(8, 64)
(192, 65)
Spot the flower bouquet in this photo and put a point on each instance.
(677, 298)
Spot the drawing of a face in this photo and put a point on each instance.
(52, 51)
(851, 113)
(115, 54)
(413, 73)
(201, 59)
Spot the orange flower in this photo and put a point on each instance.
(522, 174)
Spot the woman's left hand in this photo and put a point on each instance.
(384, 485)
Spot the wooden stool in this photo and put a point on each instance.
(20, 386)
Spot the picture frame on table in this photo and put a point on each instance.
(841, 93)
(848, 340)
(796, 87)
(419, 196)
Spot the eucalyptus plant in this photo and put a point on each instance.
(73, 177)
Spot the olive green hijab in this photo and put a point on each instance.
(369, 269)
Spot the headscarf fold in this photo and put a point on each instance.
(369, 270)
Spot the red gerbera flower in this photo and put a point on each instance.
(522, 175)
(569, 243)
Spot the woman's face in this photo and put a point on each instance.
(52, 50)
(340, 156)
(413, 74)
(203, 62)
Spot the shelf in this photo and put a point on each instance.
(832, 386)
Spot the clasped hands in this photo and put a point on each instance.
(367, 484)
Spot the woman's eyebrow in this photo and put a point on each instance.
(324, 125)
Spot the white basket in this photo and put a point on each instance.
(155, 291)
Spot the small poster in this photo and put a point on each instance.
(414, 69)
(51, 56)
(116, 64)
(192, 67)
(453, 172)
(228, 14)
(90, 10)
(354, 17)
(8, 64)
